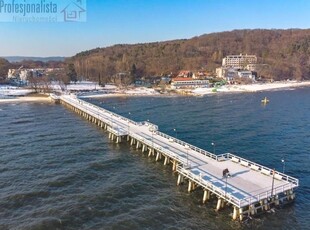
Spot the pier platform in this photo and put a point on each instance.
(249, 188)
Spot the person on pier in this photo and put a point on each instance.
(226, 173)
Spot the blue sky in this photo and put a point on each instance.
(137, 21)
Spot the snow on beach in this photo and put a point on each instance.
(92, 90)
(140, 91)
(251, 88)
(109, 90)
(6, 90)
(83, 89)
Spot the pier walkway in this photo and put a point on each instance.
(250, 188)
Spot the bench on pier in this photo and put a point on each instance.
(244, 163)
(235, 159)
(266, 172)
(254, 167)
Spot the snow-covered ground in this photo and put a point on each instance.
(251, 88)
(91, 89)
(83, 89)
(6, 90)
(80, 86)
(138, 91)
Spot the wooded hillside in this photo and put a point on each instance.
(286, 53)
(4, 67)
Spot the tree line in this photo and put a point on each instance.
(283, 54)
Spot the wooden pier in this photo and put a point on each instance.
(250, 188)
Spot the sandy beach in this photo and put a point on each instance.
(36, 98)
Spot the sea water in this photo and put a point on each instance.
(59, 171)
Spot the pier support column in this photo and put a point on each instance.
(150, 152)
(158, 156)
(190, 185)
(219, 204)
(290, 194)
(166, 162)
(118, 140)
(109, 135)
(241, 214)
(235, 213)
(252, 210)
(277, 201)
(128, 137)
(223, 203)
(132, 141)
(265, 204)
(206, 196)
(143, 148)
(204, 199)
(174, 166)
(138, 144)
(180, 179)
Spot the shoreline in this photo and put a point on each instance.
(36, 98)
(253, 88)
(226, 89)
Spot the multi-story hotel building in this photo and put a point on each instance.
(239, 61)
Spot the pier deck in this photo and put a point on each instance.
(251, 187)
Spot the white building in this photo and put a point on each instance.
(178, 83)
(246, 74)
(239, 61)
(230, 74)
(24, 74)
(12, 73)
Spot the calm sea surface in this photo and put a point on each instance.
(59, 171)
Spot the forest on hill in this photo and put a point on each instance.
(284, 54)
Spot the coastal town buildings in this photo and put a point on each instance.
(185, 73)
(179, 83)
(22, 75)
(237, 66)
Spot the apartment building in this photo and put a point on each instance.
(239, 61)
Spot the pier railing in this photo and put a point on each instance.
(183, 143)
(96, 110)
(167, 152)
(96, 113)
(228, 196)
(265, 195)
(263, 169)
